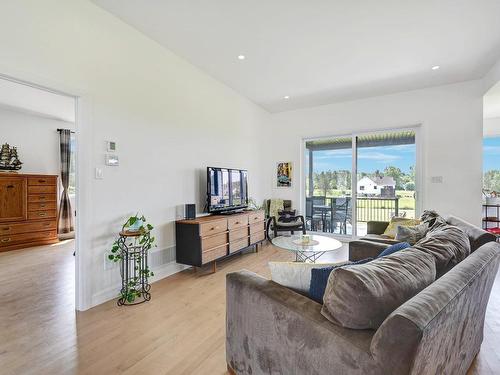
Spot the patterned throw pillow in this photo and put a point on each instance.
(395, 222)
(319, 279)
(411, 234)
(286, 216)
(394, 248)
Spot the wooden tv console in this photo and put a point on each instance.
(210, 238)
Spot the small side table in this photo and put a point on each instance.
(133, 269)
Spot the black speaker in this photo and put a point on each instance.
(190, 211)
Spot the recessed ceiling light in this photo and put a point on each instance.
(435, 67)
(286, 97)
(241, 57)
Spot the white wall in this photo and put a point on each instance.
(492, 77)
(168, 118)
(451, 139)
(36, 101)
(491, 127)
(36, 138)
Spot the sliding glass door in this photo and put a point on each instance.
(352, 180)
(385, 177)
(329, 184)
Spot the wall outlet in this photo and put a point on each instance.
(437, 179)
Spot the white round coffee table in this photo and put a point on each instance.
(310, 252)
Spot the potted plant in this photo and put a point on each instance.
(132, 245)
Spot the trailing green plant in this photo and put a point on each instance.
(144, 239)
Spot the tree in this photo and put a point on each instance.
(323, 181)
(491, 180)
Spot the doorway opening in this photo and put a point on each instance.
(38, 174)
(491, 160)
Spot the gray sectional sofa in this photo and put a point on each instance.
(274, 330)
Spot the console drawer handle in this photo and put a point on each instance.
(42, 214)
(42, 205)
(10, 186)
(6, 228)
(6, 240)
(42, 181)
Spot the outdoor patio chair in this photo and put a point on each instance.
(340, 214)
(313, 219)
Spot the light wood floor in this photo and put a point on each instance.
(180, 331)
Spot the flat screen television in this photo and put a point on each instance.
(227, 189)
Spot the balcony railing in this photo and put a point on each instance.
(336, 214)
(376, 209)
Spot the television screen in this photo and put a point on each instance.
(226, 189)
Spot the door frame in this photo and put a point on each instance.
(83, 140)
(417, 128)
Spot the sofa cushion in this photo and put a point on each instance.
(362, 296)
(319, 279)
(296, 275)
(411, 234)
(390, 231)
(448, 244)
(394, 248)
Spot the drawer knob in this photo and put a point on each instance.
(10, 186)
(43, 205)
(6, 228)
(42, 214)
(42, 181)
(6, 240)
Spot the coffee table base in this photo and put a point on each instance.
(305, 256)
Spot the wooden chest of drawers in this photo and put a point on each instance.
(28, 210)
(210, 238)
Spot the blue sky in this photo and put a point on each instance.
(491, 153)
(369, 158)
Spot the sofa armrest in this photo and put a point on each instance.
(271, 329)
(376, 227)
(477, 236)
(362, 249)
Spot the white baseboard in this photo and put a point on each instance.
(160, 273)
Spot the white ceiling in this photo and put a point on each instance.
(24, 98)
(491, 103)
(319, 52)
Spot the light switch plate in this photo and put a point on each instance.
(99, 175)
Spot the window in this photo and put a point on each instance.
(387, 157)
(491, 164)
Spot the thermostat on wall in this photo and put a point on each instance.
(111, 146)
(112, 160)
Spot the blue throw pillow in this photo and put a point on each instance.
(319, 279)
(394, 248)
